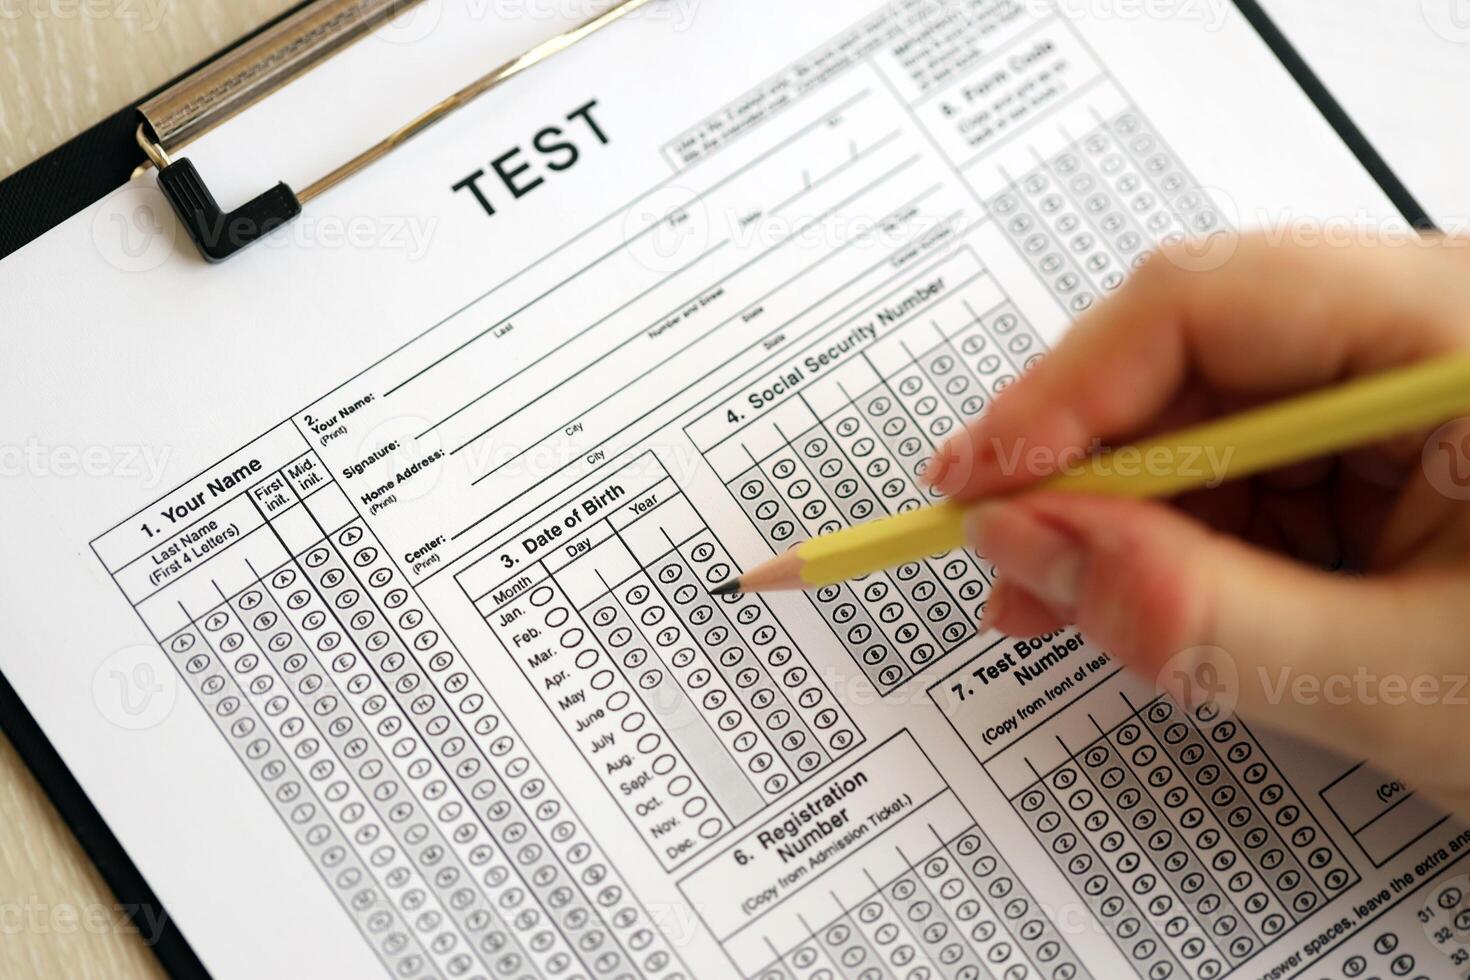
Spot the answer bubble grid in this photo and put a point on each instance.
(694, 711)
(1086, 216)
(425, 840)
(383, 925)
(437, 831)
(561, 867)
(1184, 838)
(813, 462)
(957, 911)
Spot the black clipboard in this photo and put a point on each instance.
(90, 165)
(98, 161)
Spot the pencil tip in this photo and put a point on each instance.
(729, 587)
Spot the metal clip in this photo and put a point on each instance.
(217, 233)
(318, 31)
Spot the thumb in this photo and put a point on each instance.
(1369, 664)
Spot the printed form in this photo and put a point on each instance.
(444, 692)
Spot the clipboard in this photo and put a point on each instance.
(95, 163)
(84, 169)
(150, 131)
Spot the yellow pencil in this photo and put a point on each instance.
(1292, 431)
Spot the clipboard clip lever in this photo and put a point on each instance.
(246, 73)
(217, 233)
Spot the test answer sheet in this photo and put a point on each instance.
(362, 580)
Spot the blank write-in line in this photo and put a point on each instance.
(653, 288)
(770, 251)
(823, 118)
(492, 512)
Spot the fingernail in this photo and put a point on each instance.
(1040, 558)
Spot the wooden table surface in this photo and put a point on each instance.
(67, 65)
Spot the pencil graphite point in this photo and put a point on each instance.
(728, 587)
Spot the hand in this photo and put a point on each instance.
(1336, 593)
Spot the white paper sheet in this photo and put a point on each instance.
(361, 579)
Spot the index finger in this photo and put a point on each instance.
(1270, 320)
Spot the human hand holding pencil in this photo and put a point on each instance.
(1374, 663)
